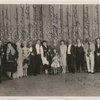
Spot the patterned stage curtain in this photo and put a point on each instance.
(48, 22)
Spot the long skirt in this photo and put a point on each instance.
(97, 63)
(32, 69)
(19, 68)
(11, 67)
(63, 63)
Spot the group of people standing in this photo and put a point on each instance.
(21, 59)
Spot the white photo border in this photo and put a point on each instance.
(49, 2)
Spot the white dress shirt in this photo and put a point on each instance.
(69, 48)
(30, 49)
(38, 48)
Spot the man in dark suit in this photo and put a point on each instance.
(97, 55)
(38, 56)
(70, 57)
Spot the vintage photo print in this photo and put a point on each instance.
(50, 49)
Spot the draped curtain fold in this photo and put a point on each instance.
(31, 22)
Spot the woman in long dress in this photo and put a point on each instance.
(19, 61)
(32, 60)
(63, 50)
(44, 56)
(79, 56)
(11, 59)
(25, 55)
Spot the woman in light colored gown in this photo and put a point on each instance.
(63, 50)
(19, 61)
(25, 57)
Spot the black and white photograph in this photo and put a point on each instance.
(50, 50)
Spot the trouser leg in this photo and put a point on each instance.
(92, 62)
(38, 64)
(72, 64)
(88, 63)
(69, 62)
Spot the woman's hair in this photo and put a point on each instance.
(10, 43)
(29, 43)
(62, 41)
(38, 40)
(14, 46)
(97, 39)
(22, 44)
(54, 49)
(44, 41)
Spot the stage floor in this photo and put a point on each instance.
(79, 84)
